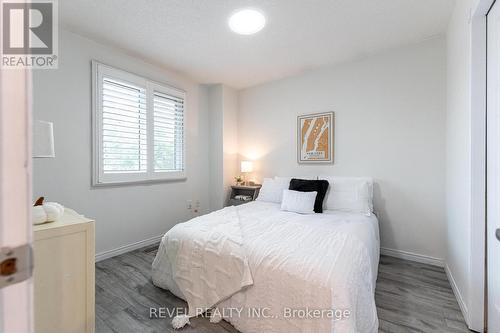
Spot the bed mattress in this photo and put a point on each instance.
(311, 273)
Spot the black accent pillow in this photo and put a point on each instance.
(305, 185)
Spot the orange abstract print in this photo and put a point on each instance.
(315, 137)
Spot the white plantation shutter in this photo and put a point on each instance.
(124, 131)
(168, 132)
(138, 128)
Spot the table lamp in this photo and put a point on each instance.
(246, 167)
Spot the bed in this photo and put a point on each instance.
(279, 271)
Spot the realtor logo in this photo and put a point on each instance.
(29, 34)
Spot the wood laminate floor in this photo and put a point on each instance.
(410, 297)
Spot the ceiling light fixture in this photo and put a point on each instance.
(247, 21)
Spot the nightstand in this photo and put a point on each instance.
(245, 190)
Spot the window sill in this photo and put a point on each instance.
(139, 182)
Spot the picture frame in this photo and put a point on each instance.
(315, 138)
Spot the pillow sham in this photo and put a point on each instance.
(319, 186)
(349, 194)
(298, 202)
(272, 190)
(288, 179)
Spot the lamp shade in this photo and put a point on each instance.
(246, 166)
(43, 139)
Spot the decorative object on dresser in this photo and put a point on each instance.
(241, 194)
(315, 134)
(43, 147)
(64, 275)
(46, 212)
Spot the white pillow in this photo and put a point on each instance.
(272, 190)
(349, 194)
(298, 202)
(288, 179)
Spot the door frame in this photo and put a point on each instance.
(478, 91)
(16, 300)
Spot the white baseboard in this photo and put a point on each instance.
(458, 295)
(412, 257)
(127, 248)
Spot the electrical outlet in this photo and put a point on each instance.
(189, 204)
(196, 209)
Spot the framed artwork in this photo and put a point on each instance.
(315, 138)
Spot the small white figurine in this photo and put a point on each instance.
(46, 212)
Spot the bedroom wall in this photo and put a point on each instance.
(230, 145)
(222, 104)
(63, 96)
(458, 172)
(390, 124)
(464, 271)
(216, 137)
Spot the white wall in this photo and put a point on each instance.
(458, 172)
(222, 104)
(124, 214)
(465, 160)
(390, 124)
(230, 146)
(216, 141)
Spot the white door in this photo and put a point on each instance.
(15, 196)
(493, 169)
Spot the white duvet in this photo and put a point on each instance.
(285, 273)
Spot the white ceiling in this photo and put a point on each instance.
(192, 37)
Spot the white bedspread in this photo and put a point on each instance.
(311, 273)
(210, 261)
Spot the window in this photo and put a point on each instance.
(138, 128)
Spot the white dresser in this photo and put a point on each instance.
(64, 275)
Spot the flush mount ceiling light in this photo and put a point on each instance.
(247, 21)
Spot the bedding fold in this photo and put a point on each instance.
(210, 260)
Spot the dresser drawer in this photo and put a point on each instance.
(64, 275)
